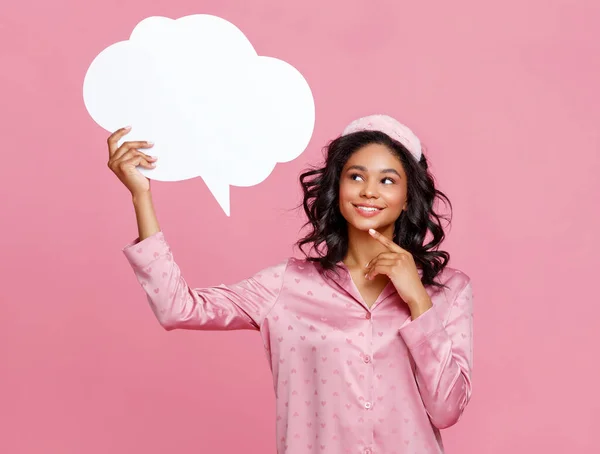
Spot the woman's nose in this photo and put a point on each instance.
(369, 190)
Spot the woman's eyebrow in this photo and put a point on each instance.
(364, 169)
(361, 168)
(390, 171)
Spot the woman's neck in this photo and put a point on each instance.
(362, 247)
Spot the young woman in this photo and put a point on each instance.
(369, 338)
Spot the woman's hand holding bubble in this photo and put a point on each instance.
(124, 160)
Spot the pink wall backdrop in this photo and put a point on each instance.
(504, 94)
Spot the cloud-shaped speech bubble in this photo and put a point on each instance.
(196, 87)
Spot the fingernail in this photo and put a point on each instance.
(150, 143)
(127, 127)
(371, 231)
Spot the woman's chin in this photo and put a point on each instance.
(364, 225)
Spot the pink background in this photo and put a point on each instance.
(504, 94)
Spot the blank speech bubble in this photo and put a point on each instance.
(196, 87)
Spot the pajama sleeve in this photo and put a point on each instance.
(440, 342)
(225, 307)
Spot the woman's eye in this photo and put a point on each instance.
(354, 176)
(388, 179)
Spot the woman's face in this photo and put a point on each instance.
(373, 188)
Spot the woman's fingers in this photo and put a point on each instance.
(379, 268)
(380, 262)
(129, 155)
(138, 160)
(386, 241)
(384, 261)
(126, 146)
(114, 138)
(143, 162)
(124, 159)
(383, 255)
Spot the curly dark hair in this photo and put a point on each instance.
(328, 232)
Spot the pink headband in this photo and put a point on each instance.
(389, 126)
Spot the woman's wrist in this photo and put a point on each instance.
(419, 308)
(141, 197)
(145, 215)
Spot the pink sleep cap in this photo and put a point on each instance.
(389, 126)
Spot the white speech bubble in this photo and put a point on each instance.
(214, 108)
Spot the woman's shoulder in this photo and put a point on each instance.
(453, 280)
(292, 265)
(302, 266)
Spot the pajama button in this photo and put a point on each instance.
(368, 316)
(368, 451)
(367, 405)
(367, 359)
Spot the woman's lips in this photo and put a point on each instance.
(367, 211)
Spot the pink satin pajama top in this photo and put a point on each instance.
(348, 379)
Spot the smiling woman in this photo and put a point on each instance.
(374, 358)
(370, 180)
